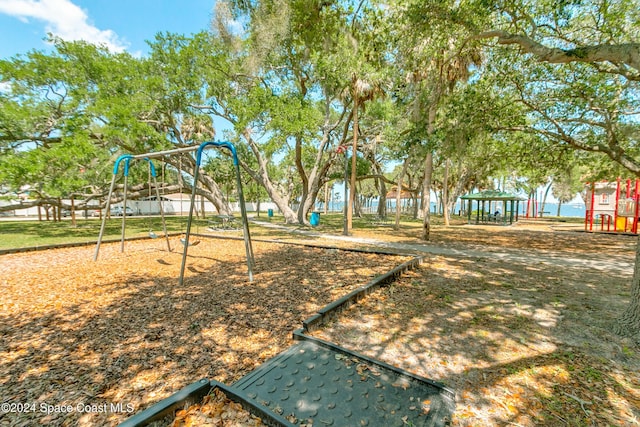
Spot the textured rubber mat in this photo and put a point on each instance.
(331, 386)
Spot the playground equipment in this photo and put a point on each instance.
(185, 241)
(614, 204)
(243, 209)
(126, 158)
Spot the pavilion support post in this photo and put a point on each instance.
(504, 212)
(511, 213)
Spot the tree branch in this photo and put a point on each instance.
(620, 56)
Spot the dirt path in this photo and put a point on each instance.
(602, 261)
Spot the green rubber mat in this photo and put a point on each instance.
(318, 381)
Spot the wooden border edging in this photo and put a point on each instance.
(334, 308)
(73, 244)
(369, 250)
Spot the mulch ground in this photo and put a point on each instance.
(89, 343)
(522, 343)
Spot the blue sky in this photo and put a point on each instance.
(121, 25)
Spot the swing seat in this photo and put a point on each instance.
(184, 242)
(153, 235)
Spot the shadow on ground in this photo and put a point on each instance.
(122, 332)
(521, 344)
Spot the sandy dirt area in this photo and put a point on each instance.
(524, 342)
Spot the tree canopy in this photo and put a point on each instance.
(513, 86)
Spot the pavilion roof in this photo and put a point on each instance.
(492, 195)
(404, 194)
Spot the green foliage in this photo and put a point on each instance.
(566, 184)
(46, 124)
(290, 82)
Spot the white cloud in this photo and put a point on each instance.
(63, 19)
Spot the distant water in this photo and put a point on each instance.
(566, 210)
(550, 209)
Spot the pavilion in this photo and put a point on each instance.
(493, 207)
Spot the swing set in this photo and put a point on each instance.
(127, 158)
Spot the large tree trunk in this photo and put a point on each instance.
(420, 213)
(59, 209)
(382, 191)
(310, 200)
(208, 188)
(428, 173)
(629, 322)
(458, 189)
(382, 200)
(415, 207)
(313, 180)
(73, 211)
(357, 204)
(399, 193)
(261, 176)
(445, 194)
(354, 151)
(624, 55)
(426, 194)
(282, 202)
(317, 175)
(326, 198)
(544, 199)
(304, 198)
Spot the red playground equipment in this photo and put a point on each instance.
(614, 204)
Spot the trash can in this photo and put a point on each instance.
(315, 219)
(270, 213)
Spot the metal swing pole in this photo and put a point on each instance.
(155, 183)
(108, 203)
(152, 155)
(188, 230)
(245, 222)
(243, 209)
(124, 203)
(247, 236)
(104, 218)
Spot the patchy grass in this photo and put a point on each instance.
(21, 234)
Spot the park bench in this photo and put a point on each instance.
(223, 222)
(378, 220)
